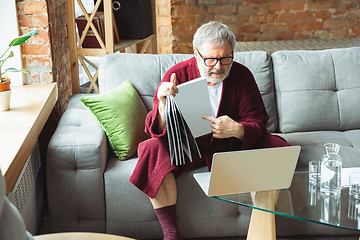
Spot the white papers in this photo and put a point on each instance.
(194, 102)
(180, 137)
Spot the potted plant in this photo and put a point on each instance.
(5, 90)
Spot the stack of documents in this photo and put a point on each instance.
(184, 125)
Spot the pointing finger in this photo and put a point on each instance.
(211, 119)
(173, 79)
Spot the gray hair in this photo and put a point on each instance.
(214, 32)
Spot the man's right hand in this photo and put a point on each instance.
(165, 89)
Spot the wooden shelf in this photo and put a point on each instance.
(79, 54)
(20, 126)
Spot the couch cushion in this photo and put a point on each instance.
(317, 90)
(145, 72)
(312, 146)
(260, 65)
(121, 113)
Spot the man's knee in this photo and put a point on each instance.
(153, 145)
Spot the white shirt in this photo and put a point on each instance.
(215, 96)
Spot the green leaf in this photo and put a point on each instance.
(17, 70)
(11, 54)
(23, 38)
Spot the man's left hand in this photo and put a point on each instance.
(225, 127)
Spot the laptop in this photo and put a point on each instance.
(249, 171)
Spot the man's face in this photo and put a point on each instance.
(218, 72)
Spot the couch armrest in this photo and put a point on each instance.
(76, 160)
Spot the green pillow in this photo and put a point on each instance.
(121, 113)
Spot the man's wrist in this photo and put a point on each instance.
(239, 131)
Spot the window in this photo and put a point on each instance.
(10, 31)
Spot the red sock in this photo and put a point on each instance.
(167, 218)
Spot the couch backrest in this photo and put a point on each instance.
(145, 72)
(317, 90)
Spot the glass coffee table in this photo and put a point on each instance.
(302, 201)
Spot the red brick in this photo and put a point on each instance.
(184, 20)
(339, 13)
(217, 9)
(183, 49)
(348, 5)
(274, 26)
(202, 19)
(304, 15)
(261, 1)
(284, 36)
(36, 49)
(248, 28)
(303, 36)
(222, 18)
(45, 61)
(322, 34)
(187, 30)
(306, 26)
(322, 4)
(286, 17)
(336, 24)
(354, 15)
(340, 33)
(42, 36)
(322, 15)
(277, 7)
(192, 10)
(185, 38)
(34, 7)
(207, 2)
(48, 77)
(256, 9)
(240, 18)
(252, 37)
(264, 18)
(35, 21)
(178, 2)
(164, 49)
(269, 36)
(356, 31)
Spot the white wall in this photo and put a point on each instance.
(10, 30)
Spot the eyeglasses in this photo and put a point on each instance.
(210, 62)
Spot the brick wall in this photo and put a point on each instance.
(36, 52)
(60, 50)
(46, 55)
(256, 20)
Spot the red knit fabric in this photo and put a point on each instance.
(167, 218)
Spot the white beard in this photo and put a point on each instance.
(208, 76)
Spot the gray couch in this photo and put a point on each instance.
(312, 97)
(12, 225)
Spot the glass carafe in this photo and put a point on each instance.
(331, 165)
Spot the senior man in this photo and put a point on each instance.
(238, 120)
